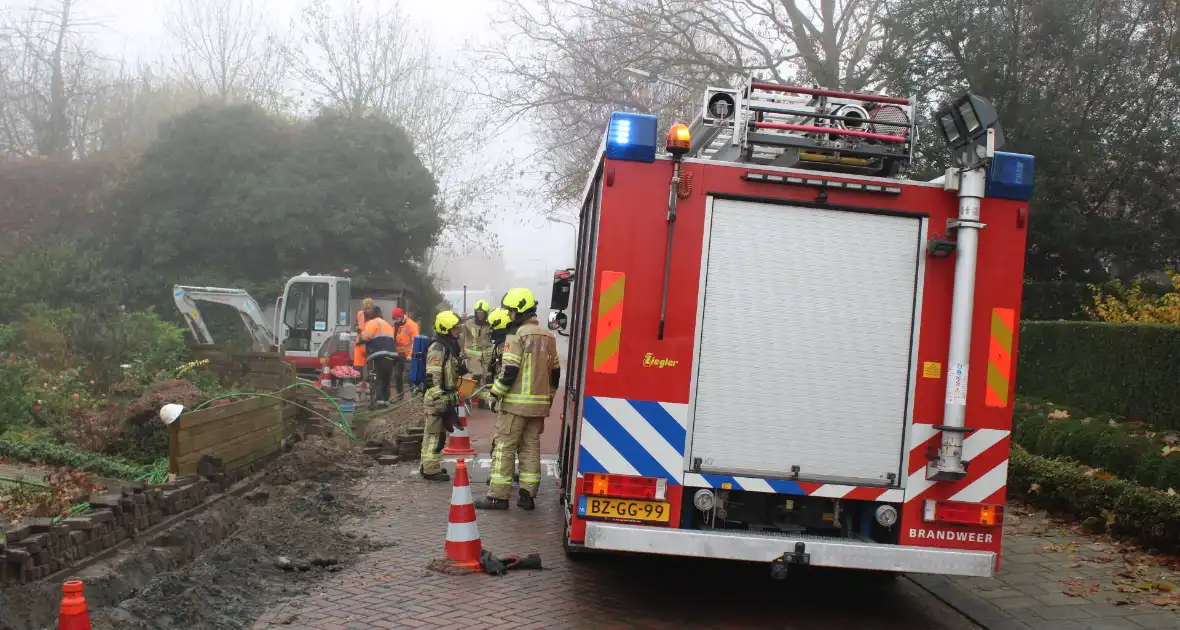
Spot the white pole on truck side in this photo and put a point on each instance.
(970, 127)
(949, 465)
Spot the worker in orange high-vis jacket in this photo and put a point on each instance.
(381, 351)
(358, 353)
(405, 329)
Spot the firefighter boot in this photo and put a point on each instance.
(526, 500)
(491, 503)
(441, 475)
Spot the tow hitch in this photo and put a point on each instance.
(780, 566)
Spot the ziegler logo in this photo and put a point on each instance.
(939, 534)
(651, 361)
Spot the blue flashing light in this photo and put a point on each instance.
(632, 137)
(1010, 176)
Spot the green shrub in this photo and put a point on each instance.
(1128, 450)
(1128, 369)
(69, 457)
(153, 348)
(16, 401)
(1148, 516)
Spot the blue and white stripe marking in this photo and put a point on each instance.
(633, 437)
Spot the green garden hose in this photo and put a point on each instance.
(158, 473)
(343, 425)
(74, 511)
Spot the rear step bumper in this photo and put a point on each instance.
(824, 552)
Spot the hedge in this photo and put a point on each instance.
(1125, 510)
(1129, 369)
(1127, 450)
(68, 457)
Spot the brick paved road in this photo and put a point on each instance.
(392, 588)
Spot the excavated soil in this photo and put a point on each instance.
(384, 428)
(271, 544)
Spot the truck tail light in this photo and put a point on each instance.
(624, 486)
(936, 511)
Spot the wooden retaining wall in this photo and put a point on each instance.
(239, 433)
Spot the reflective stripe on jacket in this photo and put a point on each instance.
(476, 339)
(533, 350)
(442, 374)
(358, 352)
(378, 336)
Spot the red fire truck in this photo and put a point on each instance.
(771, 335)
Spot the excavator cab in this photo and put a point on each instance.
(313, 320)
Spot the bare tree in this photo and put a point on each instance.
(127, 111)
(559, 63)
(226, 52)
(364, 59)
(357, 58)
(46, 69)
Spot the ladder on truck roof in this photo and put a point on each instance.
(801, 127)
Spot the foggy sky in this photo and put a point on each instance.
(133, 30)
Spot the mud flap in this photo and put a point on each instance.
(780, 566)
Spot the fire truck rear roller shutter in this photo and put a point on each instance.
(805, 348)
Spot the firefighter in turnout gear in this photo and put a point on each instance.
(529, 374)
(474, 338)
(441, 399)
(500, 323)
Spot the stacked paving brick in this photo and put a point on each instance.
(40, 547)
(409, 445)
(406, 447)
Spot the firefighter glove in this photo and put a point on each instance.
(450, 418)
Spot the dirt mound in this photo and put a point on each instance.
(320, 459)
(221, 568)
(33, 606)
(385, 427)
(280, 549)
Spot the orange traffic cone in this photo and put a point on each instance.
(463, 546)
(459, 441)
(325, 377)
(74, 615)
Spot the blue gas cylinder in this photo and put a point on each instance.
(418, 359)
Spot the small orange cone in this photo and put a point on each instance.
(459, 441)
(325, 377)
(74, 614)
(463, 545)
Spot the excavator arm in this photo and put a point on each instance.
(186, 299)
